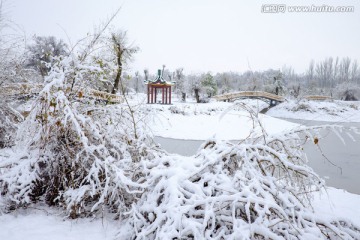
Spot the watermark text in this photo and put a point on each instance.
(283, 8)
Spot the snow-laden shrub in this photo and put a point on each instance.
(75, 154)
(9, 119)
(255, 189)
(302, 106)
(177, 110)
(347, 91)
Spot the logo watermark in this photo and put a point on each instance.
(283, 8)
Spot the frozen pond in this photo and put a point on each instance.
(346, 157)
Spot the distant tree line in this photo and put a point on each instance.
(336, 77)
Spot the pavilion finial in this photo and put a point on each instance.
(159, 78)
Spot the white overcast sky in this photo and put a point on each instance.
(203, 35)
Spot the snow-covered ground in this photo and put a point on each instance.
(40, 225)
(339, 203)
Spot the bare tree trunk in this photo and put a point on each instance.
(183, 96)
(137, 82)
(197, 96)
(119, 69)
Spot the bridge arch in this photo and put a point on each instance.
(272, 99)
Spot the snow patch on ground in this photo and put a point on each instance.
(38, 225)
(338, 203)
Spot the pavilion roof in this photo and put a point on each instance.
(159, 80)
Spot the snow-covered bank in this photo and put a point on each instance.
(192, 121)
(330, 111)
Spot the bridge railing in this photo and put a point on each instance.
(270, 96)
(20, 88)
(99, 95)
(229, 96)
(317, 97)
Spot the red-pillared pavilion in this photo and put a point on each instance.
(159, 84)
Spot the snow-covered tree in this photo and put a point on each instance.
(209, 84)
(224, 82)
(122, 52)
(42, 51)
(137, 82)
(347, 91)
(72, 153)
(9, 120)
(11, 51)
(278, 83)
(195, 85)
(181, 84)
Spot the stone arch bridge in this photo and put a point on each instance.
(272, 99)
